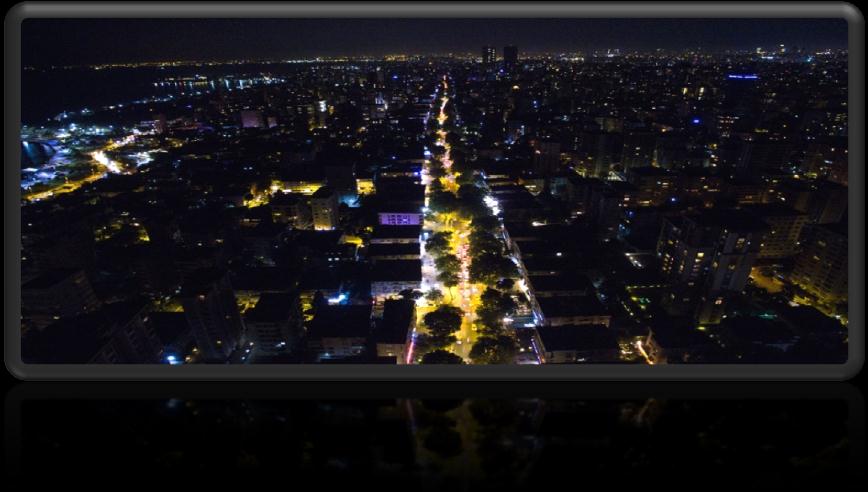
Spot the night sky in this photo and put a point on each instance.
(73, 41)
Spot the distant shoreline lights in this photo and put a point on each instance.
(747, 76)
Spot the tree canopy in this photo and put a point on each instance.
(485, 223)
(494, 306)
(447, 262)
(441, 357)
(434, 295)
(493, 350)
(438, 243)
(443, 201)
(490, 268)
(443, 322)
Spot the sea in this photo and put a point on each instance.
(45, 93)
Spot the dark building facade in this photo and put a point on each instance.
(211, 309)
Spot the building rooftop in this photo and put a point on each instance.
(264, 229)
(318, 241)
(732, 219)
(545, 264)
(50, 278)
(201, 281)
(567, 306)
(753, 329)
(677, 333)
(396, 232)
(773, 210)
(263, 279)
(169, 325)
(560, 282)
(578, 338)
(534, 248)
(341, 321)
(649, 171)
(286, 199)
(392, 249)
(81, 337)
(397, 271)
(320, 280)
(400, 207)
(323, 192)
(273, 307)
(398, 317)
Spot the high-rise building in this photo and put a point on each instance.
(320, 113)
(376, 78)
(684, 253)
(655, 185)
(719, 246)
(708, 257)
(638, 149)
(160, 124)
(785, 228)
(740, 93)
(821, 268)
(489, 55)
(607, 203)
(599, 149)
(735, 255)
(546, 156)
(825, 202)
(212, 312)
(760, 154)
(324, 207)
(510, 57)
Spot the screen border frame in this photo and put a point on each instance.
(12, 201)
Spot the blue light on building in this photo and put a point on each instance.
(338, 300)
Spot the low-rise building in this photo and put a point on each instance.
(390, 277)
(399, 251)
(339, 331)
(394, 331)
(324, 208)
(391, 234)
(569, 344)
(274, 324)
(572, 310)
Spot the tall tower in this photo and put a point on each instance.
(510, 57)
(489, 55)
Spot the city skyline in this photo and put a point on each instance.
(45, 42)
